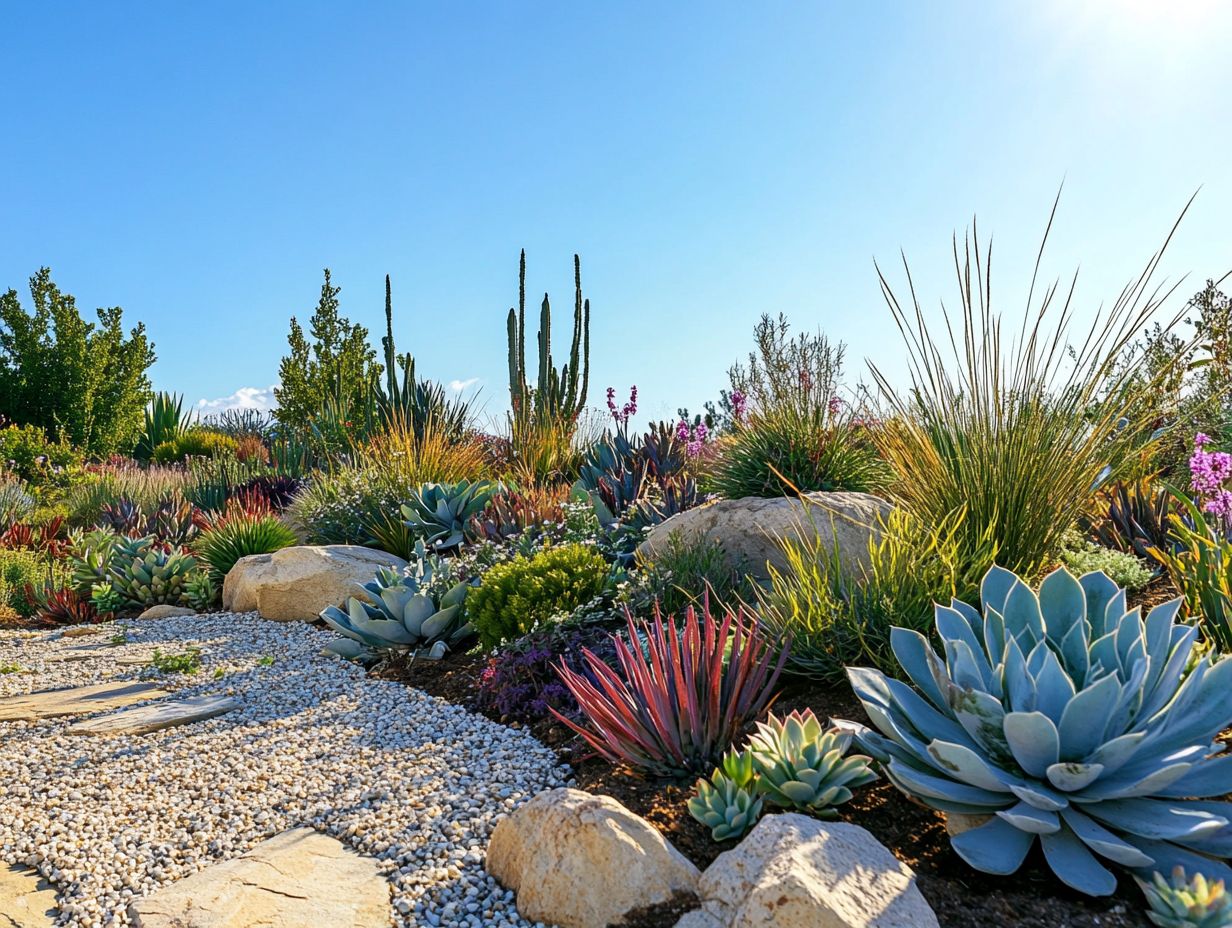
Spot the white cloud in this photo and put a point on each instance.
(457, 386)
(244, 398)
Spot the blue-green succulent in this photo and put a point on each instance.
(415, 610)
(438, 512)
(1066, 718)
(1187, 903)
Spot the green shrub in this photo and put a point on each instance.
(195, 443)
(685, 570)
(18, 568)
(31, 455)
(238, 536)
(523, 593)
(836, 618)
(1083, 557)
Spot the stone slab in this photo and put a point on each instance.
(26, 900)
(159, 715)
(78, 700)
(298, 879)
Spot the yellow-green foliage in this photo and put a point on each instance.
(520, 594)
(17, 568)
(195, 443)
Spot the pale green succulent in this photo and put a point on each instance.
(106, 597)
(801, 765)
(1063, 717)
(726, 808)
(401, 612)
(89, 556)
(146, 574)
(1187, 903)
(200, 592)
(438, 512)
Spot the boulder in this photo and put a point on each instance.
(796, 872)
(296, 583)
(581, 861)
(298, 879)
(166, 612)
(751, 530)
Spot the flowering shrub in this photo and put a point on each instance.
(521, 683)
(694, 438)
(1208, 473)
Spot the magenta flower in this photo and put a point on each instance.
(738, 403)
(1209, 471)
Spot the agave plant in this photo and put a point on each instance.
(1186, 903)
(1064, 717)
(89, 557)
(400, 612)
(439, 512)
(801, 765)
(726, 807)
(55, 605)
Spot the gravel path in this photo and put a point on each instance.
(405, 777)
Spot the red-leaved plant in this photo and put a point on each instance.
(673, 706)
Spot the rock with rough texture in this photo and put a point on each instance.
(26, 901)
(796, 872)
(298, 879)
(158, 715)
(751, 530)
(78, 700)
(164, 611)
(296, 583)
(80, 631)
(579, 861)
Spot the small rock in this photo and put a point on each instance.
(578, 860)
(796, 872)
(166, 612)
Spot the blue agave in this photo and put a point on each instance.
(1065, 718)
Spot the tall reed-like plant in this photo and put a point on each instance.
(1017, 431)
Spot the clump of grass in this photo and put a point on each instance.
(1017, 433)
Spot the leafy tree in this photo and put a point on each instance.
(78, 380)
(337, 365)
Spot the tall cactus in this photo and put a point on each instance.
(557, 394)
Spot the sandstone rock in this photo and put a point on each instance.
(296, 583)
(298, 879)
(750, 530)
(956, 822)
(26, 901)
(165, 612)
(78, 700)
(164, 714)
(796, 872)
(80, 631)
(583, 861)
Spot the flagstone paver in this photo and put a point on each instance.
(78, 700)
(142, 720)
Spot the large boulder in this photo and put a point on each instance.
(583, 861)
(296, 583)
(751, 530)
(796, 872)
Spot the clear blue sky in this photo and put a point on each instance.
(200, 164)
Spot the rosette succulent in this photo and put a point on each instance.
(725, 807)
(439, 512)
(801, 765)
(401, 611)
(146, 574)
(1065, 718)
(1186, 903)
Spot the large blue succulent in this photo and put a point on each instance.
(1062, 717)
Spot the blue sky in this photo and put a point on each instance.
(200, 164)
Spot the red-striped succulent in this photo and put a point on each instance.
(674, 704)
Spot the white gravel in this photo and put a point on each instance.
(405, 777)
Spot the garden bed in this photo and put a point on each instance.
(960, 896)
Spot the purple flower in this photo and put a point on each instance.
(738, 404)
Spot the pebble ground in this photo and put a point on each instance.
(394, 773)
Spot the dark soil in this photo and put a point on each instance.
(961, 897)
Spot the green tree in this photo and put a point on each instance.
(338, 363)
(82, 381)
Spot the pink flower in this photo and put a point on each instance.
(738, 404)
